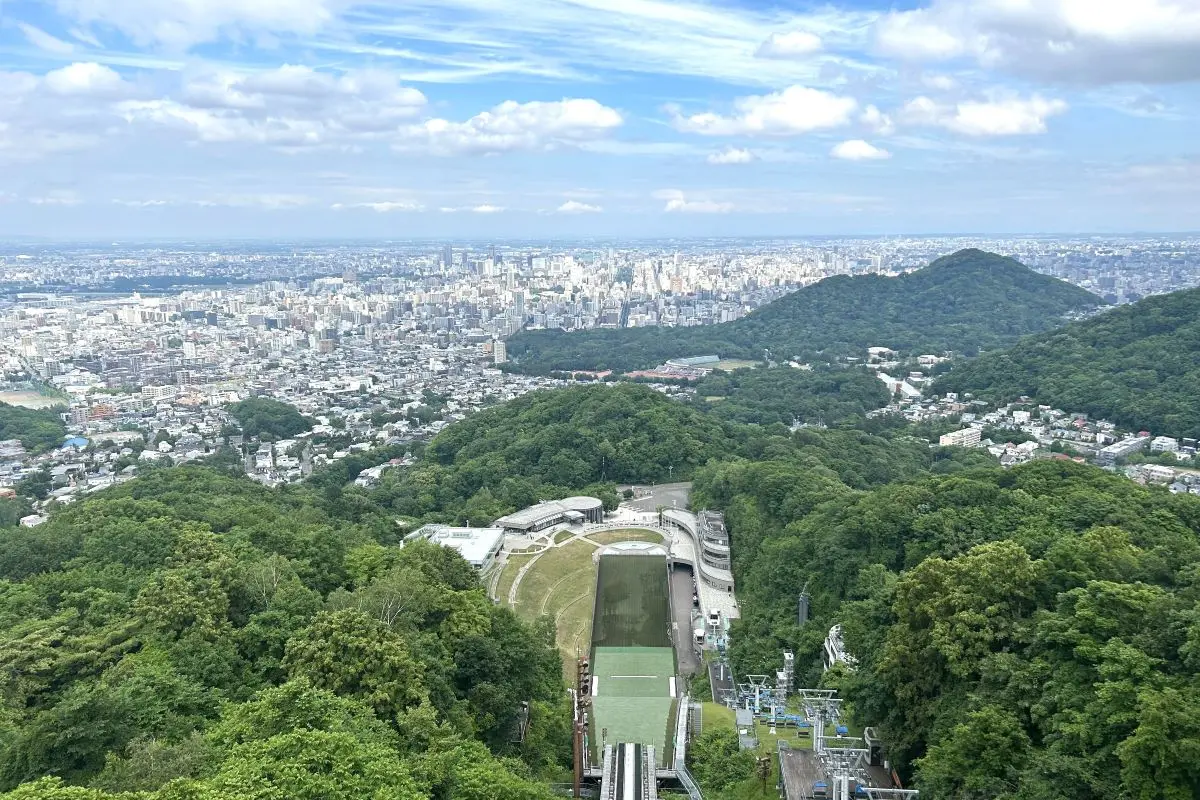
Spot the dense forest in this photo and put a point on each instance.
(1135, 365)
(550, 444)
(38, 430)
(1032, 633)
(785, 395)
(1021, 635)
(269, 419)
(965, 302)
(193, 635)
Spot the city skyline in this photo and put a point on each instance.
(475, 119)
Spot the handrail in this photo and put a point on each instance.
(681, 735)
(689, 783)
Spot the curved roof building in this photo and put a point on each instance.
(553, 512)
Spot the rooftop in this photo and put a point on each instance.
(550, 508)
(476, 545)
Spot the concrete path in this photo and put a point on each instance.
(681, 615)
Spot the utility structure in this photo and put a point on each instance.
(846, 765)
(755, 691)
(758, 695)
(583, 701)
(821, 707)
(839, 767)
(784, 679)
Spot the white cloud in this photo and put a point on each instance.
(1010, 116)
(877, 121)
(588, 38)
(207, 126)
(288, 107)
(918, 35)
(86, 36)
(793, 44)
(44, 41)
(859, 150)
(382, 206)
(86, 79)
(486, 208)
(677, 202)
(517, 126)
(1085, 41)
(57, 197)
(792, 111)
(942, 83)
(731, 155)
(181, 24)
(270, 201)
(69, 108)
(469, 40)
(576, 207)
(142, 203)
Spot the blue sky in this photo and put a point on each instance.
(491, 118)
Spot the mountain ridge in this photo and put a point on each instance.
(1134, 365)
(967, 301)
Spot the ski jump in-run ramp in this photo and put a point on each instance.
(633, 687)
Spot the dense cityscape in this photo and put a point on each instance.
(385, 346)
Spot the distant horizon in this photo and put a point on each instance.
(580, 239)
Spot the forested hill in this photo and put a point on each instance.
(194, 635)
(966, 302)
(552, 444)
(1136, 365)
(1028, 634)
(190, 635)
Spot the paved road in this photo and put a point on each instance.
(681, 615)
(670, 495)
(720, 677)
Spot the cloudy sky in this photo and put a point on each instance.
(483, 118)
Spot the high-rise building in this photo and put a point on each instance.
(500, 351)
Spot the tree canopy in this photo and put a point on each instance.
(551, 444)
(1021, 634)
(261, 416)
(38, 430)
(1029, 633)
(785, 395)
(193, 634)
(1135, 365)
(965, 302)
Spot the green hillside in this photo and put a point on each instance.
(553, 444)
(968, 301)
(38, 430)
(194, 635)
(1136, 365)
(1024, 633)
(786, 395)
